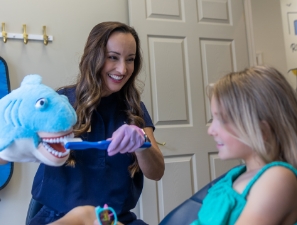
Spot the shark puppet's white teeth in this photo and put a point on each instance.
(55, 145)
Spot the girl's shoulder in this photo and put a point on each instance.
(279, 175)
(272, 197)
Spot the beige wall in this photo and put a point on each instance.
(69, 22)
(268, 33)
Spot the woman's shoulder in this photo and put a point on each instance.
(69, 92)
(66, 90)
(146, 116)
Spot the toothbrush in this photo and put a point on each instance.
(79, 144)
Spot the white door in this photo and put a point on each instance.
(187, 44)
(289, 19)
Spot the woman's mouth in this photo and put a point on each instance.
(116, 77)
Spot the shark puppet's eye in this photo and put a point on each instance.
(41, 103)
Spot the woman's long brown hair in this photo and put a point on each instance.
(89, 85)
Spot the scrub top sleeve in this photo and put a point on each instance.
(146, 116)
(69, 93)
(61, 91)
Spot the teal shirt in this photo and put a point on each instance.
(223, 205)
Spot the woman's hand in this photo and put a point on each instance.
(127, 138)
(2, 161)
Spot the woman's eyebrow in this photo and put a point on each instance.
(132, 54)
(113, 52)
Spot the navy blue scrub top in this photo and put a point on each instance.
(97, 178)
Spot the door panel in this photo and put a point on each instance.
(170, 105)
(169, 186)
(289, 20)
(187, 45)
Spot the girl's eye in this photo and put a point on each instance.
(223, 121)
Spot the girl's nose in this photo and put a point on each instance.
(210, 130)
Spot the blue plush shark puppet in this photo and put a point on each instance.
(34, 120)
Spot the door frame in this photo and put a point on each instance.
(250, 33)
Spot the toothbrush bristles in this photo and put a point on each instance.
(67, 140)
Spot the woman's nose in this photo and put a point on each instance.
(122, 68)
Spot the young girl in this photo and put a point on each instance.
(254, 119)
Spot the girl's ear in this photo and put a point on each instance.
(266, 130)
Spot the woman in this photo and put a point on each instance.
(108, 106)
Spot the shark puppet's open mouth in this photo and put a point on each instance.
(55, 145)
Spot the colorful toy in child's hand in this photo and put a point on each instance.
(34, 122)
(106, 215)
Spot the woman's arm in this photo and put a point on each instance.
(272, 199)
(151, 160)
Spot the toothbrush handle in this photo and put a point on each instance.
(102, 145)
(146, 145)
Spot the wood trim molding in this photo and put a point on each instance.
(250, 33)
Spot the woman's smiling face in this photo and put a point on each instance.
(119, 62)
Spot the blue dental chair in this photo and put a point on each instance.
(187, 212)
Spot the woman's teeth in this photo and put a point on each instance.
(116, 77)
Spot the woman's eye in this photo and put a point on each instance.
(41, 103)
(112, 57)
(131, 60)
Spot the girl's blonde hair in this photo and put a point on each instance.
(263, 108)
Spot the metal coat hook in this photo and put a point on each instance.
(4, 34)
(45, 37)
(25, 35)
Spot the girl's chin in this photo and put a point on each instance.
(222, 156)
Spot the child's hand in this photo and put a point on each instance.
(97, 223)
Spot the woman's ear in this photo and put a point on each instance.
(266, 130)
